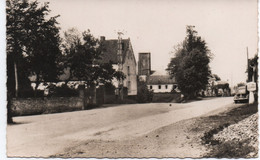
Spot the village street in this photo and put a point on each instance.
(118, 131)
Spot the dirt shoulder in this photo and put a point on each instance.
(187, 138)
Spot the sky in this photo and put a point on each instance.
(227, 26)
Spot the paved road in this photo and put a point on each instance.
(45, 135)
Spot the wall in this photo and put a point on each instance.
(32, 106)
(163, 89)
(166, 97)
(131, 74)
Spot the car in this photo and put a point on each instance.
(240, 97)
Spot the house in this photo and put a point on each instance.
(161, 83)
(110, 54)
(110, 50)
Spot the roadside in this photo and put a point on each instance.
(187, 138)
(237, 136)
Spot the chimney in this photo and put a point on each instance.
(102, 38)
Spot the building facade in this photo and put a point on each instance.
(110, 50)
(161, 83)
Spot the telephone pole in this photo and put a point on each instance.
(248, 78)
(120, 64)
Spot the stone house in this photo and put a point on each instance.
(110, 53)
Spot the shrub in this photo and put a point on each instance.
(144, 95)
(63, 91)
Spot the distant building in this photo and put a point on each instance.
(161, 83)
(110, 53)
(144, 64)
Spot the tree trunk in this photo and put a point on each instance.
(16, 80)
(9, 109)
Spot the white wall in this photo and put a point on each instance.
(131, 76)
(163, 89)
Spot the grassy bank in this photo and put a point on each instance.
(230, 148)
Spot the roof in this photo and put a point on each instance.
(160, 79)
(109, 50)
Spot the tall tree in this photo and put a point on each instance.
(82, 55)
(33, 39)
(32, 44)
(190, 66)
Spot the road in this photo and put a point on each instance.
(57, 134)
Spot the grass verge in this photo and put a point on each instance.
(228, 149)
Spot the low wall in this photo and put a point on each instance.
(32, 106)
(166, 97)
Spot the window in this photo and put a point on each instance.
(159, 86)
(128, 70)
(129, 86)
(166, 86)
(151, 87)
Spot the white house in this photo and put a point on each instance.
(161, 83)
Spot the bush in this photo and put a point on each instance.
(63, 91)
(109, 89)
(144, 95)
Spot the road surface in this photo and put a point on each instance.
(58, 134)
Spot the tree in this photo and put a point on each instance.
(144, 95)
(216, 77)
(190, 66)
(32, 44)
(253, 69)
(82, 55)
(33, 39)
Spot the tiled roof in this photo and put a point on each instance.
(160, 79)
(109, 50)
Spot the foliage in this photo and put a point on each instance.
(32, 40)
(32, 44)
(82, 56)
(144, 95)
(216, 77)
(109, 89)
(63, 91)
(190, 66)
(253, 69)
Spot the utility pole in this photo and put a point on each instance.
(248, 78)
(120, 64)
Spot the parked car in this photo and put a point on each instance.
(241, 95)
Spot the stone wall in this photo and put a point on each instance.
(33, 106)
(166, 97)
